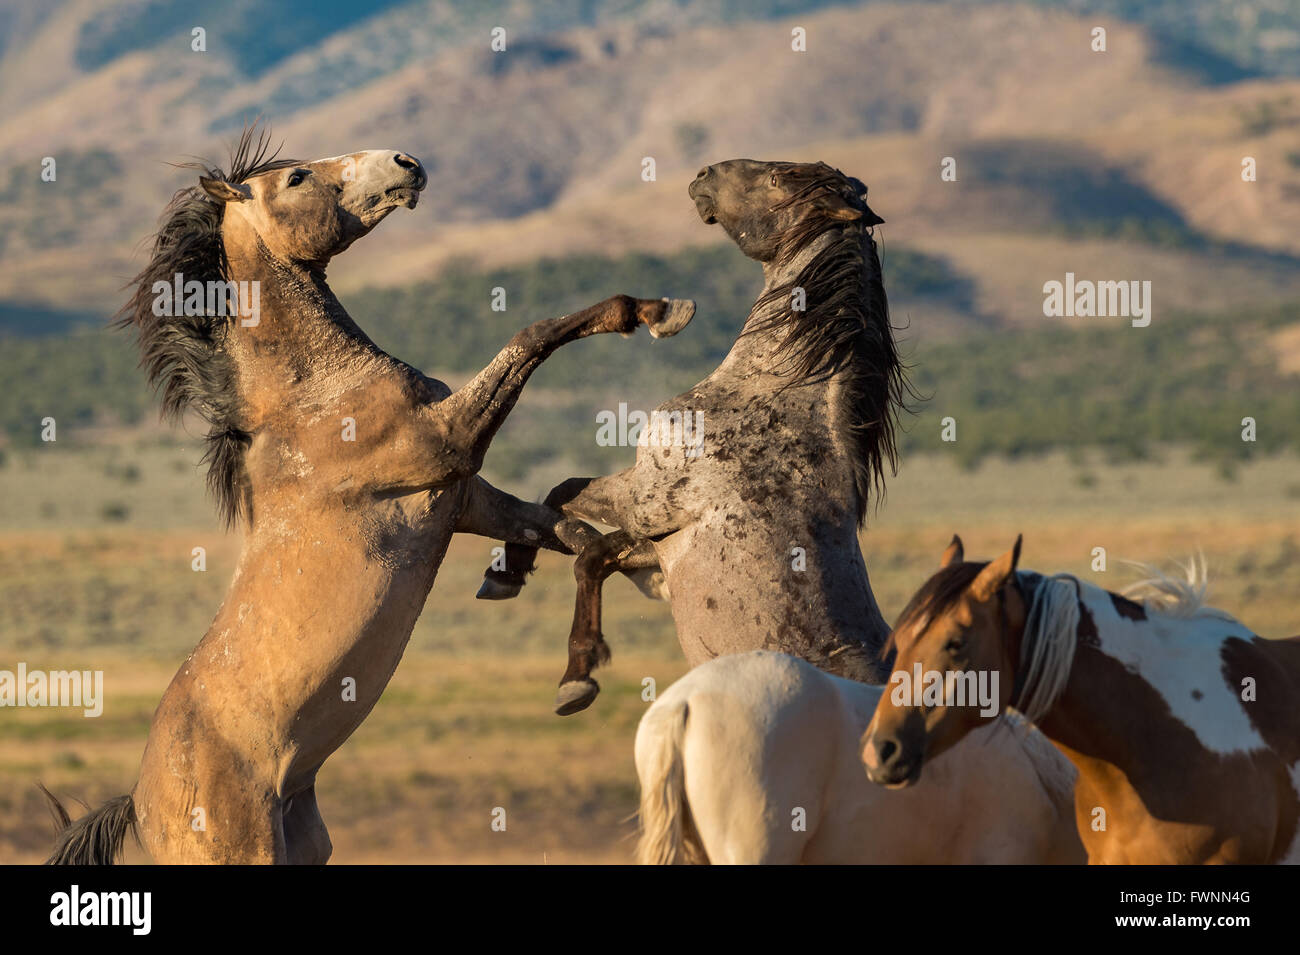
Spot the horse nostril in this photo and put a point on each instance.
(887, 751)
(702, 173)
(405, 161)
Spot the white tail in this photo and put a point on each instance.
(668, 836)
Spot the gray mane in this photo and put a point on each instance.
(846, 321)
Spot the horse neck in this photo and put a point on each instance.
(1121, 655)
(1071, 717)
(755, 351)
(753, 366)
(302, 330)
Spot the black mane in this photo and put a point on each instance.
(846, 321)
(936, 595)
(184, 355)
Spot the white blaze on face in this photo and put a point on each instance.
(1177, 656)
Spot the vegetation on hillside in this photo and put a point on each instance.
(1071, 383)
(1074, 384)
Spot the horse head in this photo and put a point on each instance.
(274, 212)
(768, 207)
(966, 620)
(311, 211)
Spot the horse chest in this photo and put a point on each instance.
(735, 458)
(411, 530)
(1219, 812)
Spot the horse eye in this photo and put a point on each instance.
(296, 179)
(953, 646)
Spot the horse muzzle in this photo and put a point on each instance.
(886, 763)
(704, 203)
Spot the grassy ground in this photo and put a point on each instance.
(95, 571)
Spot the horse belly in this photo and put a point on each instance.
(352, 665)
(738, 586)
(311, 633)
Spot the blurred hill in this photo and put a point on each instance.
(1067, 159)
(1117, 165)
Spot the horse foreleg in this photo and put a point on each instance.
(609, 500)
(520, 559)
(468, 419)
(587, 646)
(491, 512)
(307, 841)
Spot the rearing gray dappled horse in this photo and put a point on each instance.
(753, 528)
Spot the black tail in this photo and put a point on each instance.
(94, 839)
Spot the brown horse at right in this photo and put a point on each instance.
(1184, 725)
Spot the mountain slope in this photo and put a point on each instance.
(1067, 159)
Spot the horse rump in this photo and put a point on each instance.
(667, 832)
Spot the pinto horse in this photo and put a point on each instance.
(1184, 725)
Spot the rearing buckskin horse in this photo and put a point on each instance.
(351, 469)
(1184, 725)
(755, 525)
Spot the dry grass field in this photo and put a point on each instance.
(95, 555)
(1123, 164)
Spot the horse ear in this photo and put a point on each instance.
(869, 218)
(954, 554)
(847, 213)
(993, 577)
(224, 191)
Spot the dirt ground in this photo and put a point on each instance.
(97, 574)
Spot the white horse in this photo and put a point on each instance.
(755, 758)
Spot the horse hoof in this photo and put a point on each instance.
(496, 590)
(677, 315)
(575, 696)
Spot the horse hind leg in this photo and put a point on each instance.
(199, 800)
(194, 827)
(617, 551)
(307, 841)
